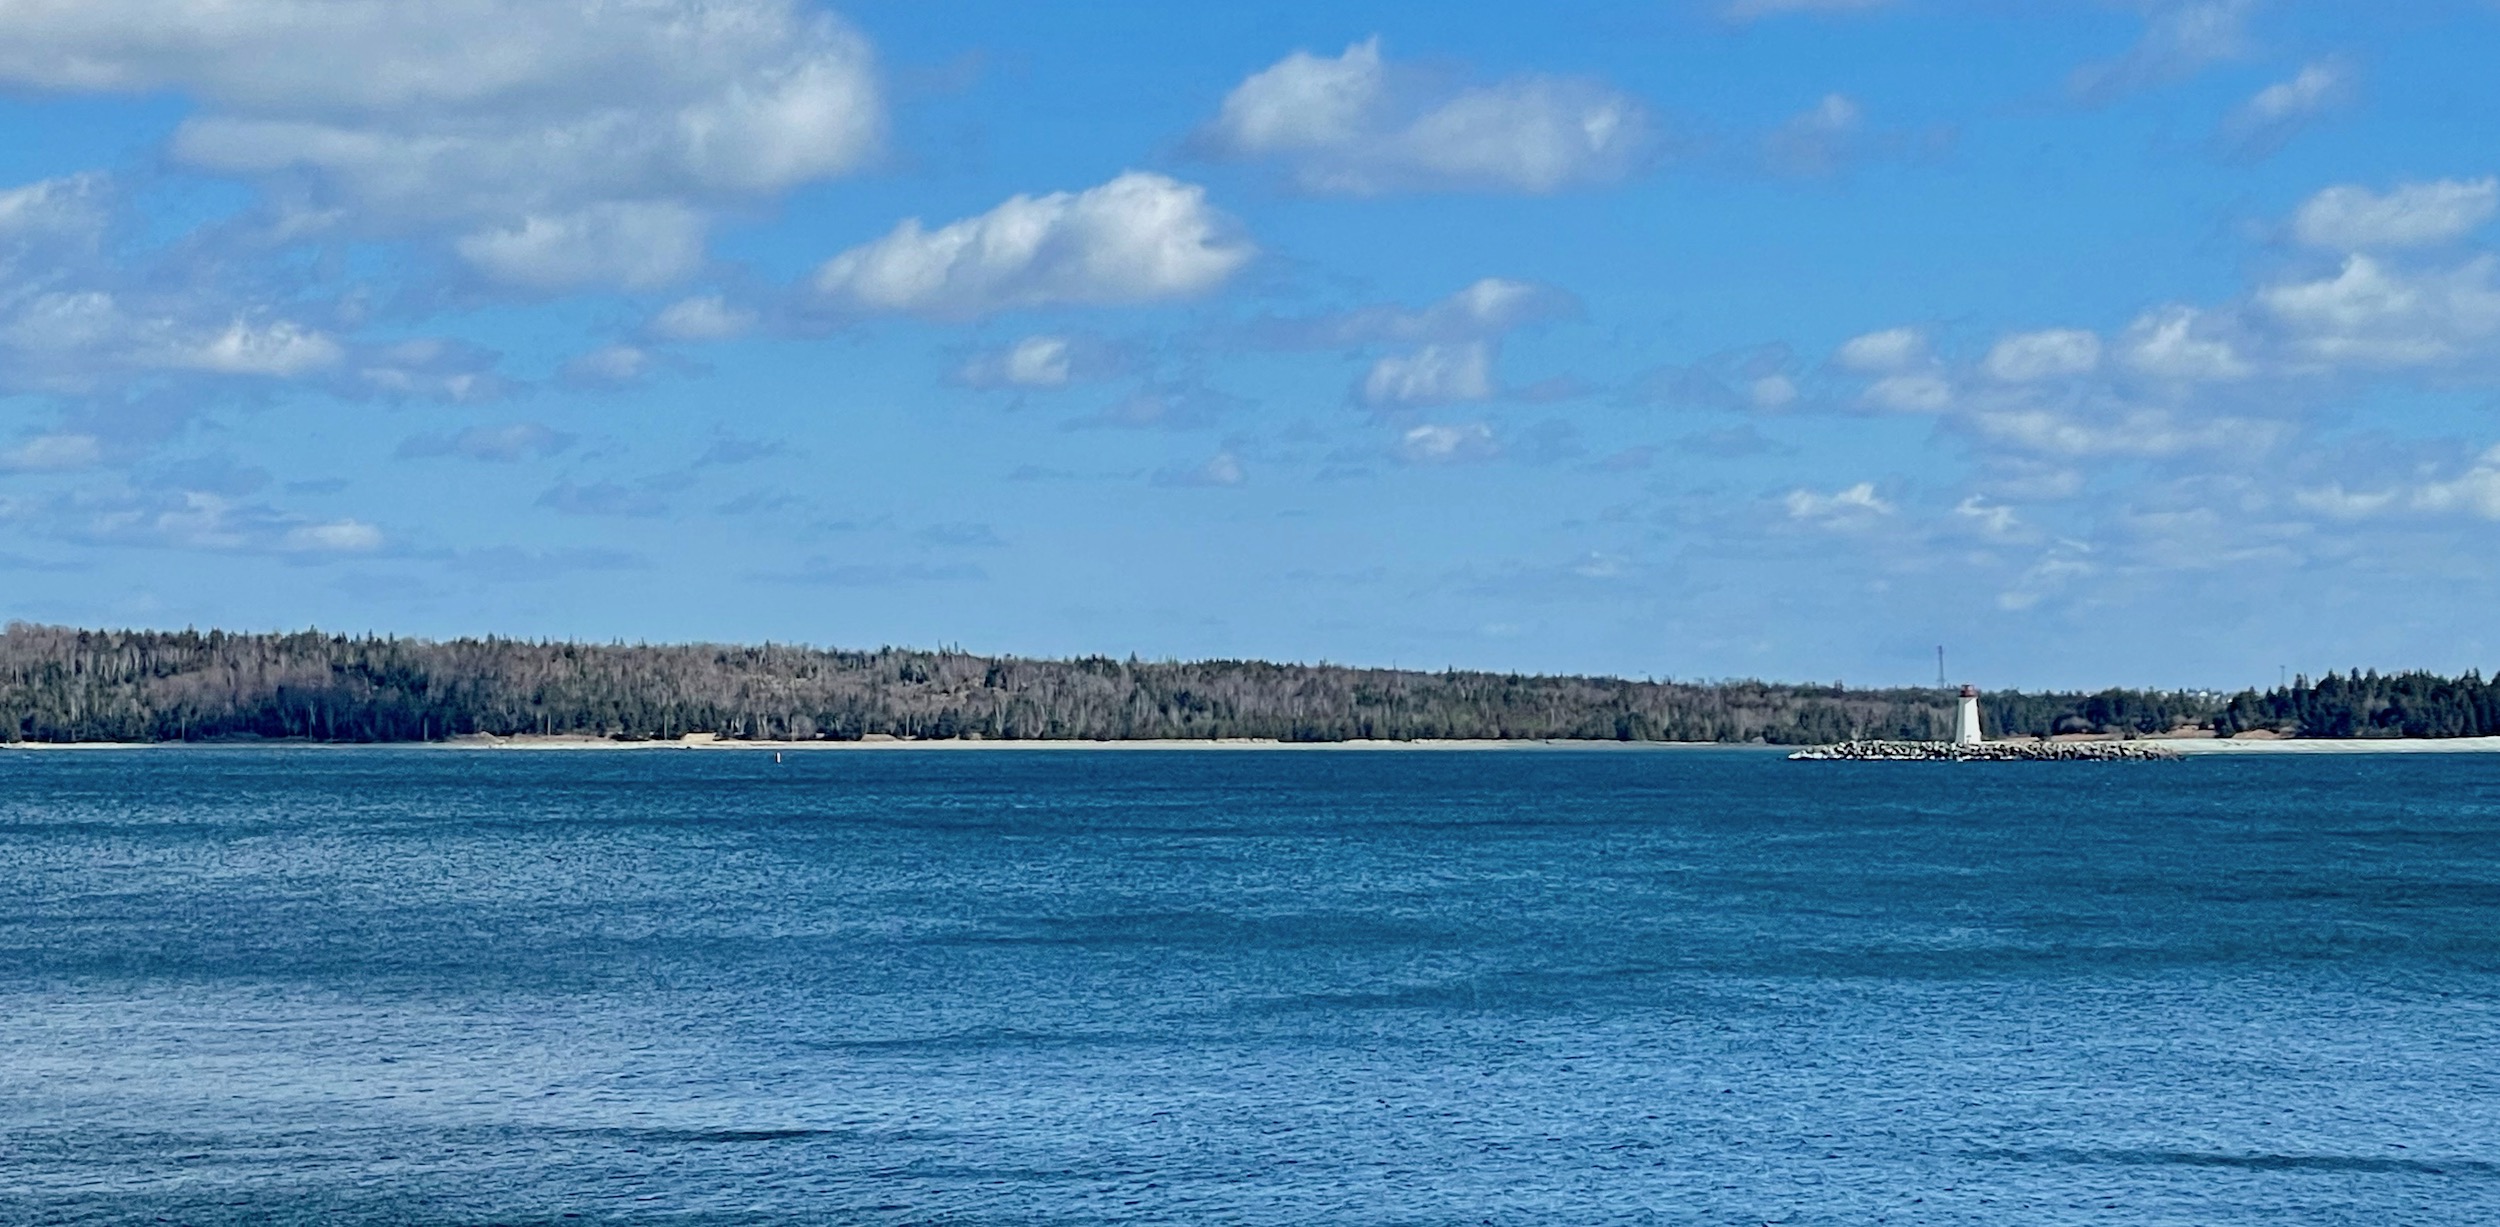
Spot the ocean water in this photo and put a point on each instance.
(1041, 987)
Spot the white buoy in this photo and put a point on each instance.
(1966, 719)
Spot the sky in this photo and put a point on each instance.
(2148, 344)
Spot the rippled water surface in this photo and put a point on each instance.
(419, 986)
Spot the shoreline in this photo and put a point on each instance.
(2191, 746)
(948, 745)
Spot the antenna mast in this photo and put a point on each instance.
(1940, 682)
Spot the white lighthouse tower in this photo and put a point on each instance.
(1966, 719)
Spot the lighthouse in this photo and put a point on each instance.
(1966, 719)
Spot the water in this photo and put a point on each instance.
(412, 986)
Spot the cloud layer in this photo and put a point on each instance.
(1356, 125)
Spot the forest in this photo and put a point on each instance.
(60, 684)
(2359, 704)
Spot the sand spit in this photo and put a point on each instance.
(2323, 745)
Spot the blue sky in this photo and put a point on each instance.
(2107, 343)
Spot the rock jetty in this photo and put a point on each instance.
(1989, 751)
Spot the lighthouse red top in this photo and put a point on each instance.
(1969, 691)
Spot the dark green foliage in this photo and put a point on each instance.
(59, 684)
(2015, 714)
(2368, 705)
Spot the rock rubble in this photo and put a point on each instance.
(1989, 751)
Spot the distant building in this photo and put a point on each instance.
(1966, 719)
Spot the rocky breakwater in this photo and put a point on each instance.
(1989, 751)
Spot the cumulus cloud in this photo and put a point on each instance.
(2178, 343)
(333, 537)
(2051, 354)
(1486, 309)
(2103, 430)
(1849, 507)
(2350, 217)
(433, 368)
(1818, 141)
(704, 317)
(280, 348)
(1028, 363)
(1436, 444)
(531, 128)
(1432, 375)
(2180, 40)
(2474, 491)
(1918, 392)
(1454, 342)
(1356, 125)
(609, 366)
(70, 210)
(1142, 237)
(2283, 110)
(82, 339)
(1885, 352)
(2371, 313)
(637, 245)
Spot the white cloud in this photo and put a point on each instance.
(1485, 310)
(1034, 362)
(2334, 501)
(1913, 393)
(2354, 218)
(281, 349)
(1990, 519)
(1851, 507)
(52, 453)
(2476, 491)
(2176, 343)
(2279, 112)
(1818, 141)
(1771, 393)
(1355, 125)
(705, 317)
(334, 537)
(477, 116)
(2119, 431)
(1877, 353)
(638, 245)
(2051, 354)
(609, 364)
(436, 368)
(2372, 314)
(1440, 444)
(2178, 41)
(70, 208)
(1432, 375)
(1140, 238)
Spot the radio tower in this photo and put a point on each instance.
(1940, 682)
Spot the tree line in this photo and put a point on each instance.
(2358, 704)
(60, 684)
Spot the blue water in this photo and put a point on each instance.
(414, 986)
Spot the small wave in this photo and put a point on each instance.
(2254, 1162)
